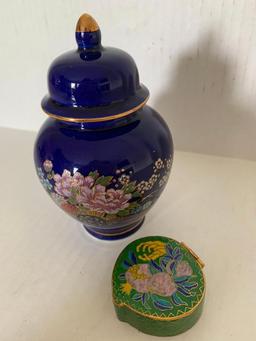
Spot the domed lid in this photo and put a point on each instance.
(93, 83)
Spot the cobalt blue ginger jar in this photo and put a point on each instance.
(103, 155)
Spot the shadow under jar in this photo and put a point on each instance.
(103, 155)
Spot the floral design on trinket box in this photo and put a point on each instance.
(164, 280)
(155, 274)
(158, 286)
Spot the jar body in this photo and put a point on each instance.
(106, 175)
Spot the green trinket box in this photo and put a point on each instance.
(158, 286)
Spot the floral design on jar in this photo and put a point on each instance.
(153, 179)
(159, 163)
(169, 164)
(57, 198)
(124, 179)
(44, 180)
(97, 195)
(47, 166)
(66, 183)
(142, 186)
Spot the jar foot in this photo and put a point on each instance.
(116, 233)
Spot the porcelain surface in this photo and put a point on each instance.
(109, 177)
(103, 155)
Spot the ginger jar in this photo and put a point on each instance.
(103, 155)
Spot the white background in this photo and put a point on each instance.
(197, 57)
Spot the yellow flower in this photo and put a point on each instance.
(151, 250)
(137, 272)
(126, 288)
(95, 213)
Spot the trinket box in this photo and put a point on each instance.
(158, 286)
(102, 155)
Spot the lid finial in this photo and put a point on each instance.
(87, 32)
(86, 23)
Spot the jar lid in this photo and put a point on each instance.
(93, 83)
(158, 286)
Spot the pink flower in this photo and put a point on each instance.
(116, 200)
(138, 277)
(183, 269)
(162, 284)
(141, 279)
(47, 166)
(92, 198)
(88, 181)
(100, 200)
(65, 183)
(85, 190)
(71, 209)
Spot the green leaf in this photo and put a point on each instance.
(146, 305)
(94, 175)
(123, 213)
(74, 192)
(110, 216)
(161, 303)
(177, 300)
(129, 188)
(121, 277)
(104, 180)
(71, 201)
(133, 204)
(136, 195)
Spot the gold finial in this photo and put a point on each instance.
(86, 23)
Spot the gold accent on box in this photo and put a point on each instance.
(197, 258)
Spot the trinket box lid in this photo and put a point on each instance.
(158, 286)
(93, 83)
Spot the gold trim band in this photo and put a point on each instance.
(98, 119)
(197, 258)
